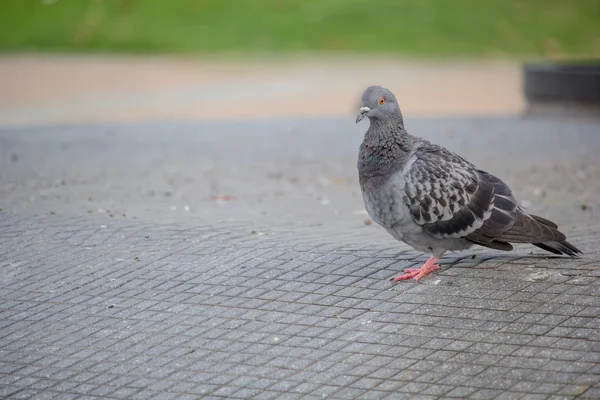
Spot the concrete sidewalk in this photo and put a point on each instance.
(45, 89)
(232, 260)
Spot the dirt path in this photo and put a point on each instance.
(57, 89)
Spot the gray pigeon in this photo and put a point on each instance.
(433, 199)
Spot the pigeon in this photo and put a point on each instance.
(434, 200)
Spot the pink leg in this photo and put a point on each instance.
(429, 266)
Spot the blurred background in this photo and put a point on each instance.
(70, 61)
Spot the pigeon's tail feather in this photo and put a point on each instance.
(508, 223)
(544, 221)
(532, 229)
(541, 233)
(527, 229)
(563, 247)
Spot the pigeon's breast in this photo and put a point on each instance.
(384, 199)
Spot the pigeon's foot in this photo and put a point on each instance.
(418, 273)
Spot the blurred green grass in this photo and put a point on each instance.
(558, 28)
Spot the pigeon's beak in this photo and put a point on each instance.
(362, 112)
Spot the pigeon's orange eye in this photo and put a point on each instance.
(382, 101)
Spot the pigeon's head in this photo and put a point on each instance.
(378, 103)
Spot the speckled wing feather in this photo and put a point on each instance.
(444, 193)
(449, 197)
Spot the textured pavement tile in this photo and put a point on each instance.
(592, 393)
(534, 396)
(100, 307)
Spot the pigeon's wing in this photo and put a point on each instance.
(449, 197)
(523, 228)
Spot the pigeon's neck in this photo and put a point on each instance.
(390, 130)
(385, 148)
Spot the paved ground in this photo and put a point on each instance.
(212, 260)
(58, 89)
